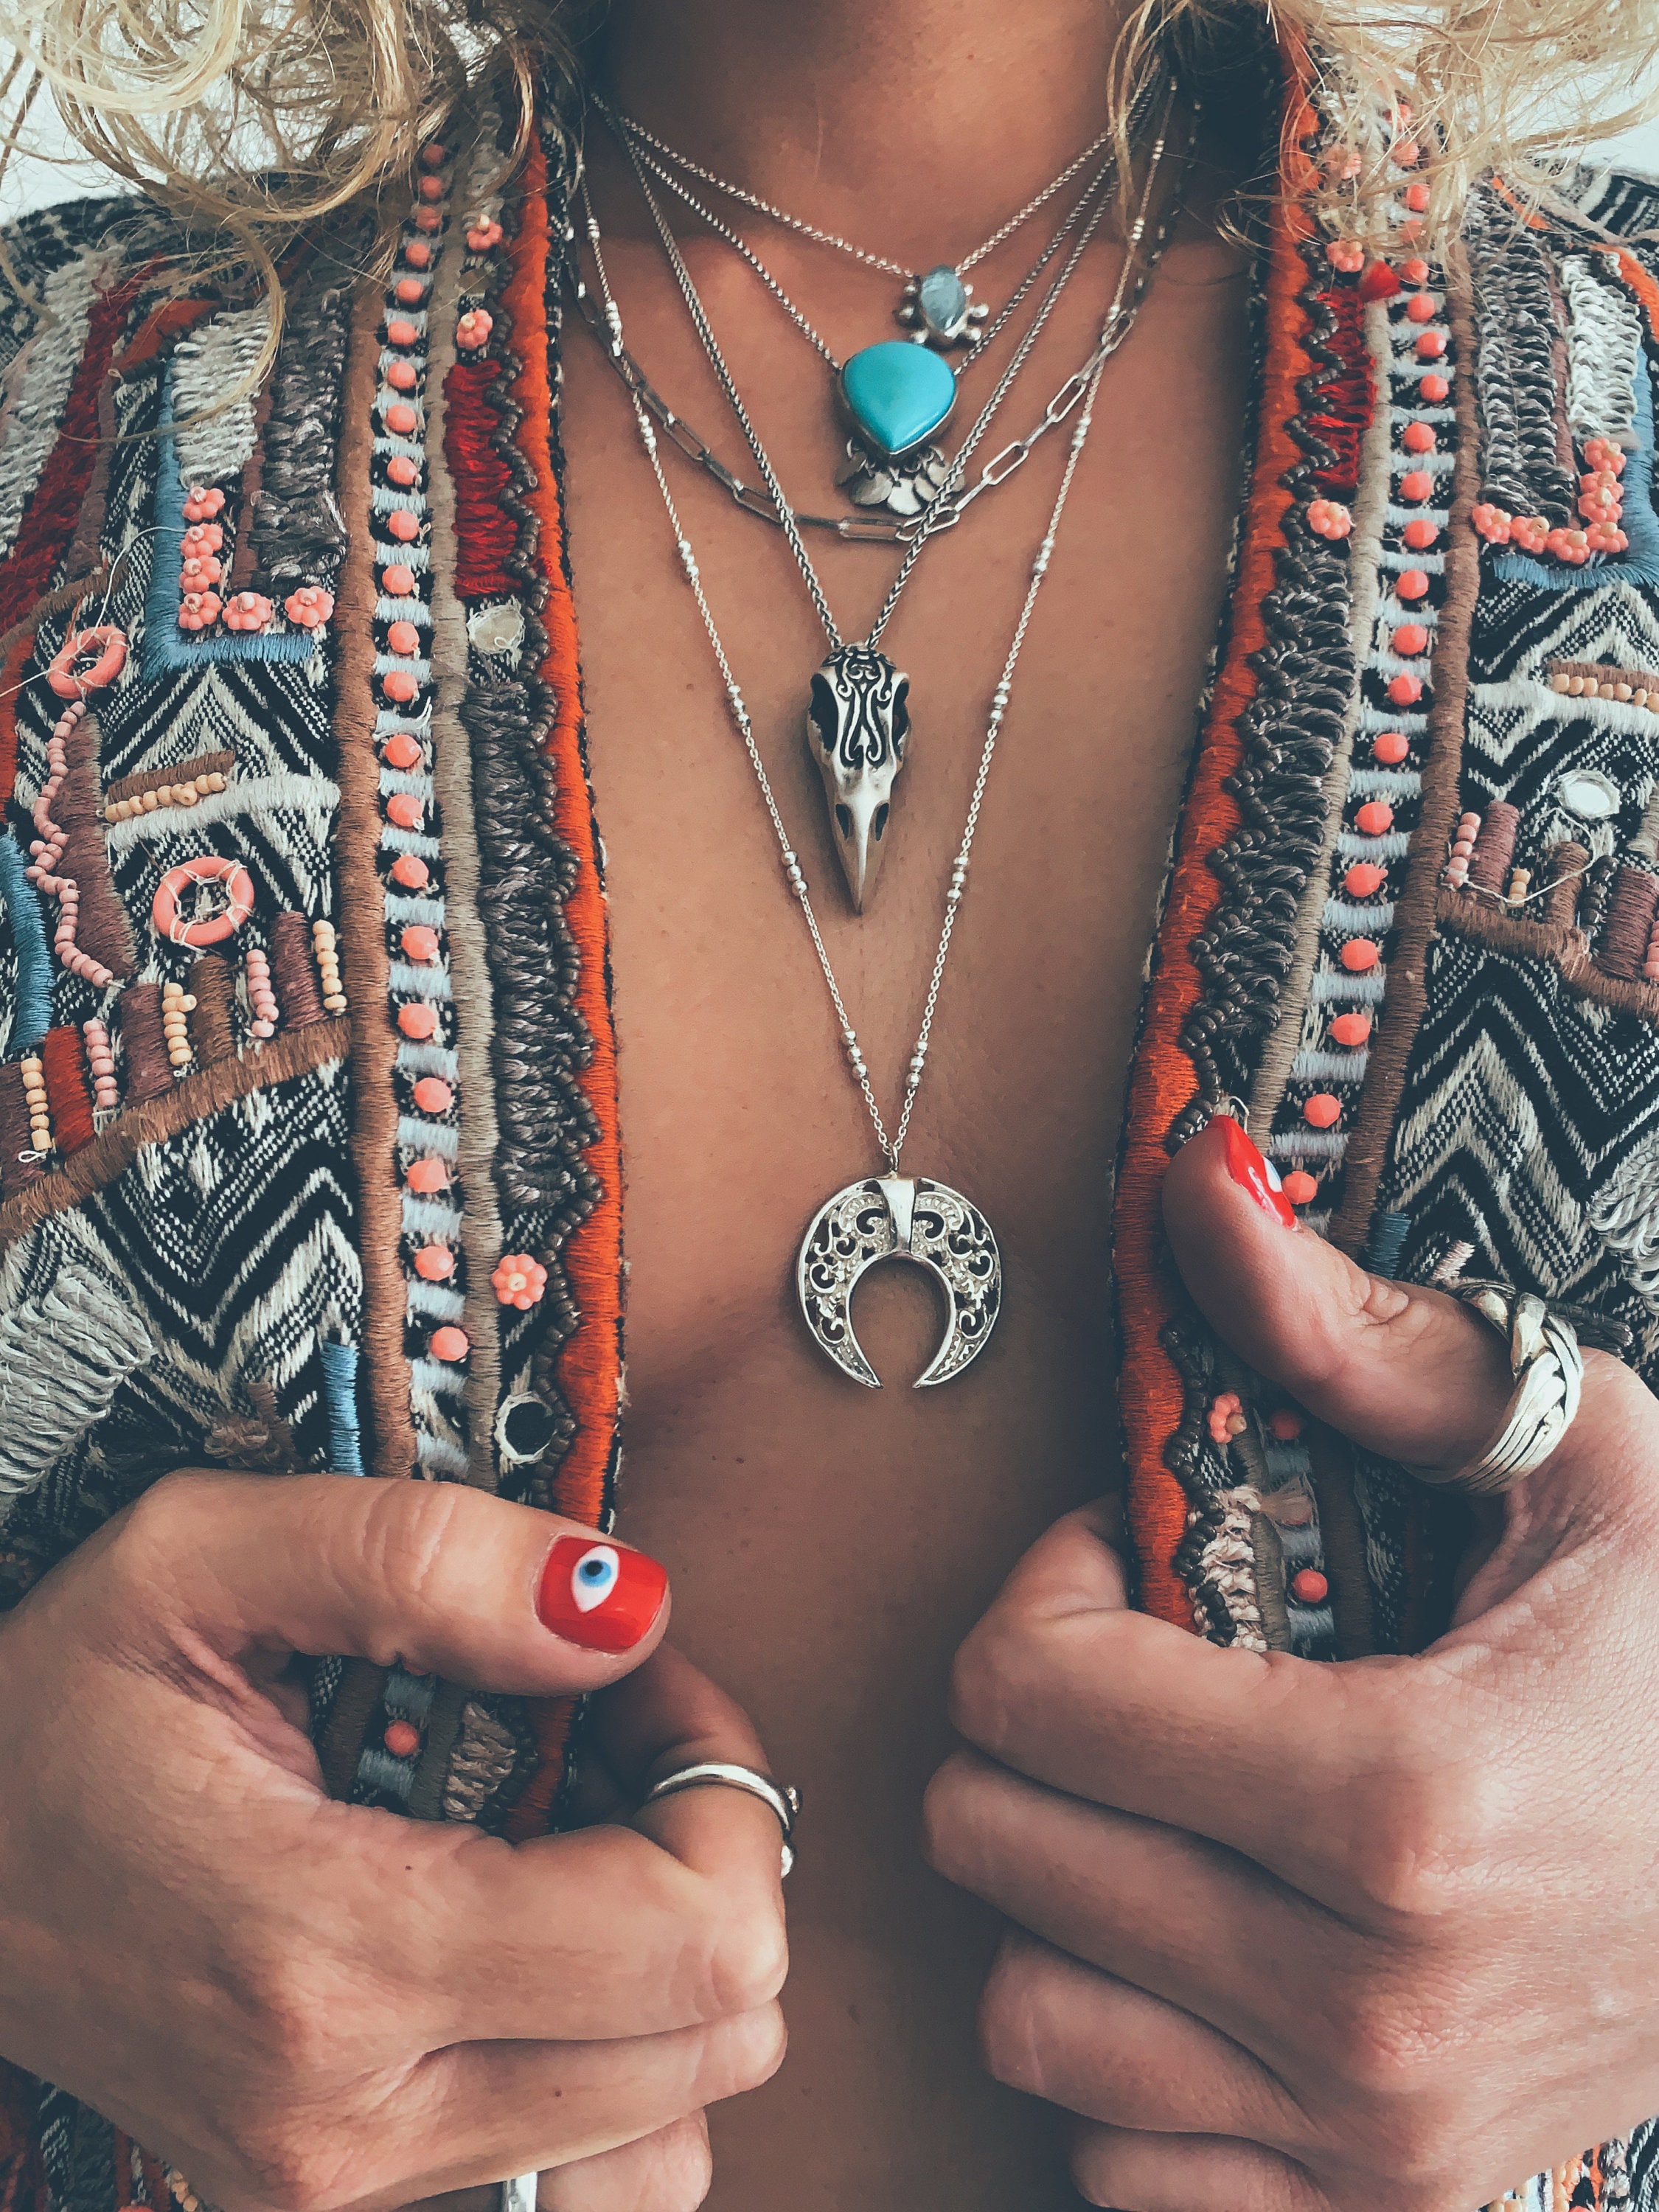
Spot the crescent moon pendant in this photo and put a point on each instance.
(900, 1217)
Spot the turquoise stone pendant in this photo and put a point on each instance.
(897, 394)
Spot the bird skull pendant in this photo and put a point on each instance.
(857, 724)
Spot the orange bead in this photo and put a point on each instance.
(449, 1343)
(1419, 438)
(402, 375)
(404, 526)
(401, 417)
(1390, 747)
(1309, 1586)
(434, 155)
(1360, 954)
(398, 332)
(1363, 879)
(1419, 309)
(409, 291)
(397, 580)
(1416, 485)
(419, 942)
(1350, 1030)
(401, 471)
(404, 810)
(429, 219)
(403, 637)
(1375, 819)
(425, 1176)
(418, 253)
(417, 1019)
(399, 686)
(1300, 1187)
(1321, 1110)
(1419, 532)
(1405, 690)
(402, 1739)
(1417, 196)
(1433, 388)
(1410, 638)
(403, 750)
(431, 188)
(409, 870)
(1430, 345)
(1284, 1423)
(433, 1095)
(434, 1263)
(1411, 584)
(1415, 271)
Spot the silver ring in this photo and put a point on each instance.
(783, 1801)
(518, 2193)
(1549, 1372)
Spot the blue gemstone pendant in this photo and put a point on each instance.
(897, 394)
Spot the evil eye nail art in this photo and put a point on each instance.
(599, 1595)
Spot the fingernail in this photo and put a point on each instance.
(599, 1595)
(1253, 1174)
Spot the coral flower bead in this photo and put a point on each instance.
(1405, 690)
(1350, 1029)
(473, 329)
(248, 611)
(403, 750)
(201, 538)
(1346, 254)
(202, 502)
(450, 1343)
(1300, 1187)
(199, 610)
(1363, 878)
(1321, 1111)
(1329, 517)
(483, 235)
(1360, 955)
(433, 1095)
(1416, 485)
(518, 1281)
(309, 607)
(1375, 819)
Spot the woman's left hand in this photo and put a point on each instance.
(1296, 1937)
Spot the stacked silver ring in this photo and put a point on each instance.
(1549, 1371)
(783, 1799)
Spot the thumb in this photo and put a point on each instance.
(443, 1579)
(1406, 1372)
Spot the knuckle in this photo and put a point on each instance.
(1422, 1840)
(1011, 2014)
(405, 1532)
(153, 1526)
(989, 1679)
(685, 2173)
(758, 2040)
(951, 1826)
(749, 1958)
(286, 2166)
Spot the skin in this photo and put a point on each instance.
(831, 1546)
(1300, 1936)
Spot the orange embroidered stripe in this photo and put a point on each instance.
(22, 2170)
(1164, 1081)
(589, 1367)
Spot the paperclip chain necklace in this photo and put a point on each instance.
(891, 1216)
(858, 709)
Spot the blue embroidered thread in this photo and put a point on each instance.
(166, 648)
(1639, 562)
(345, 1447)
(32, 1016)
(1386, 1243)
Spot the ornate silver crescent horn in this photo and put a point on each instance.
(900, 1217)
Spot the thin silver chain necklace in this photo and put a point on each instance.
(857, 710)
(892, 1215)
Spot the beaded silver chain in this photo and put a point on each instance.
(625, 126)
(891, 1147)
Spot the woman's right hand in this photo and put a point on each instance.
(308, 2005)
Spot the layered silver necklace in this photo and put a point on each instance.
(889, 1215)
(858, 706)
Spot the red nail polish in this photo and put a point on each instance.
(1252, 1173)
(599, 1595)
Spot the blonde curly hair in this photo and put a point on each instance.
(165, 93)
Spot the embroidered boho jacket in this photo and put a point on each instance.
(308, 1136)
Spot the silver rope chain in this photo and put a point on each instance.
(625, 126)
(891, 1147)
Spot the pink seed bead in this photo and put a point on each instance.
(425, 1176)
(1363, 879)
(409, 291)
(1405, 690)
(434, 155)
(1430, 345)
(1420, 533)
(399, 686)
(428, 219)
(1419, 438)
(1310, 1586)
(1433, 388)
(400, 333)
(402, 375)
(1416, 485)
(431, 188)
(1420, 308)
(1417, 196)
(418, 254)
(1410, 638)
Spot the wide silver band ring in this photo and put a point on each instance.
(1549, 1371)
(721, 1773)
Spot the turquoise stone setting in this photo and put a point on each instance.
(898, 394)
(943, 299)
